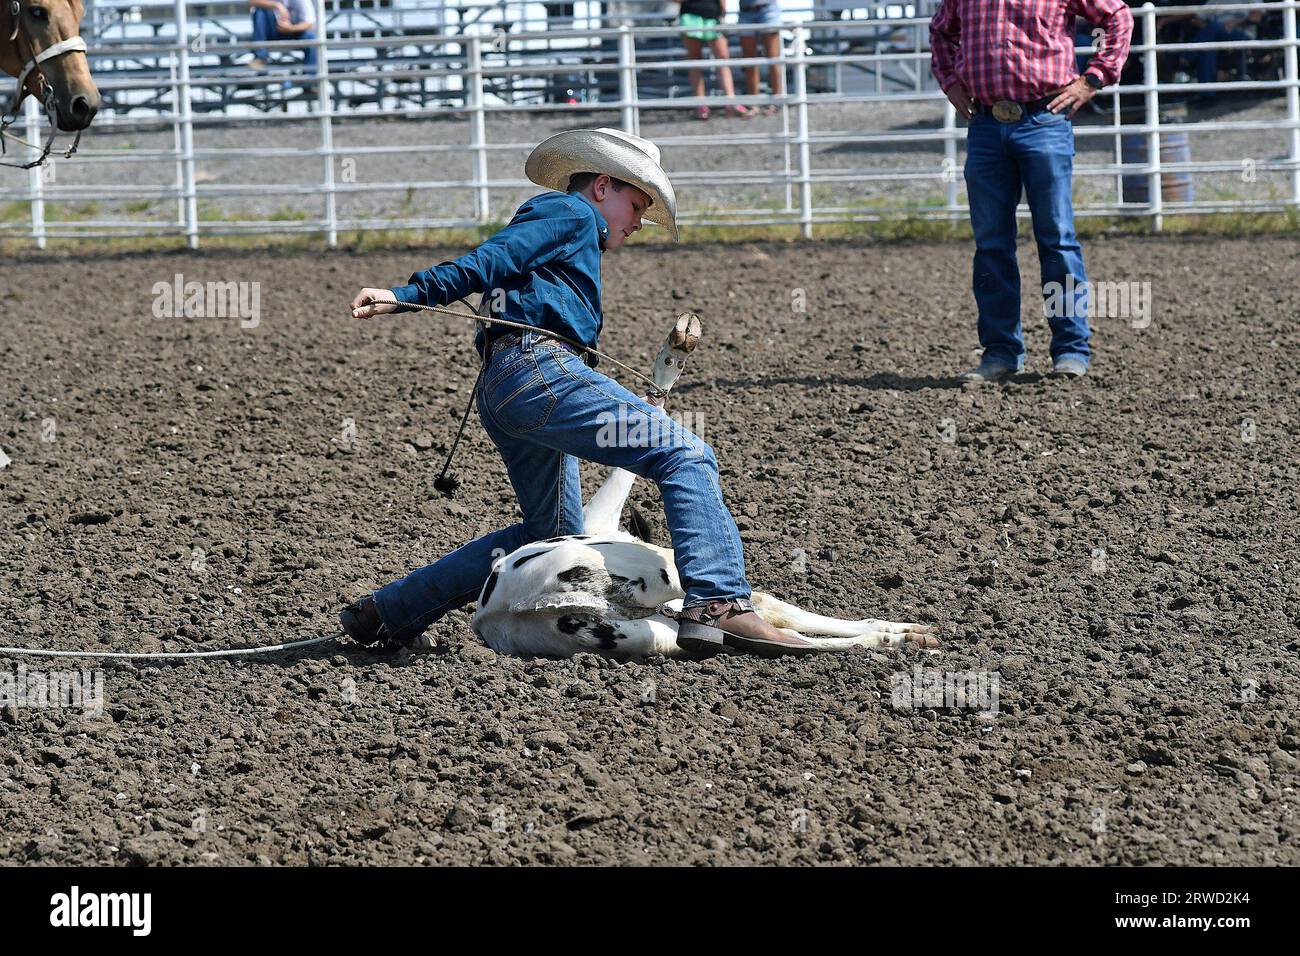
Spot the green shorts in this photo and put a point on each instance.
(698, 22)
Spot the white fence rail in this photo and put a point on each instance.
(463, 68)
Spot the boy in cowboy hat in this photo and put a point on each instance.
(543, 406)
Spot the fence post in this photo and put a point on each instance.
(1292, 98)
(801, 128)
(950, 157)
(177, 149)
(35, 175)
(326, 129)
(182, 104)
(478, 127)
(1117, 124)
(788, 168)
(1152, 78)
(627, 91)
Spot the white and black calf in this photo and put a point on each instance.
(604, 591)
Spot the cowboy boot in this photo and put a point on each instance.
(709, 627)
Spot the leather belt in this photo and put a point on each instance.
(514, 338)
(1009, 111)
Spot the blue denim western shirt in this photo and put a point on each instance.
(546, 263)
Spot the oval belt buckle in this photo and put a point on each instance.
(1007, 111)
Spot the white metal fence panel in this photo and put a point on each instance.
(427, 130)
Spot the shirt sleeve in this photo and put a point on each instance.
(945, 37)
(1116, 19)
(532, 239)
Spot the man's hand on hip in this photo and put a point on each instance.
(961, 100)
(1072, 96)
(372, 302)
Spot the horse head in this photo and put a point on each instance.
(40, 45)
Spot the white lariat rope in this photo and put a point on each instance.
(655, 391)
(173, 655)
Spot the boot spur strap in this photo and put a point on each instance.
(703, 615)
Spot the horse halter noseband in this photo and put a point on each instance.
(73, 44)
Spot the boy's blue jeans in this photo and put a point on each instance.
(264, 28)
(1036, 153)
(544, 409)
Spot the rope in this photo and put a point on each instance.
(445, 482)
(45, 151)
(173, 655)
(38, 161)
(655, 390)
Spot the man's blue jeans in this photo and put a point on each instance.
(264, 28)
(544, 409)
(1035, 153)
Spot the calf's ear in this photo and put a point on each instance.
(639, 525)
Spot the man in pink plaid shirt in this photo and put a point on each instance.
(1008, 67)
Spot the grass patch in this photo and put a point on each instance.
(70, 212)
(285, 214)
(1223, 225)
(209, 211)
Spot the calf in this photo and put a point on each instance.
(608, 592)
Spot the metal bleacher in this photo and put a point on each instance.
(131, 44)
(130, 40)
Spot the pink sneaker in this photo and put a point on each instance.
(701, 112)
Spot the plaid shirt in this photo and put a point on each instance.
(1022, 49)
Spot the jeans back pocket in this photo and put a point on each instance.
(518, 395)
(507, 363)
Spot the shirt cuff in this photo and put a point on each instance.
(406, 293)
(1098, 71)
(948, 82)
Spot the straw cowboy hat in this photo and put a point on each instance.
(613, 153)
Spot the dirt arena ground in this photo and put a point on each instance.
(1119, 553)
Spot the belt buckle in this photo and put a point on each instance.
(1007, 111)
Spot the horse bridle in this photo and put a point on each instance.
(73, 44)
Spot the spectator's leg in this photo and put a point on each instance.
(993, 188)
(1207, 62)
(1173, 30)
(719, 47)
(263, 29)
(749, 48)
(695, 51)
(1243, 56)
(1044, 146)
(776, 72)
(309, 52)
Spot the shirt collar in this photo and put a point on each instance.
(602, 227)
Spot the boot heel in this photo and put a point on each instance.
(700, 638)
